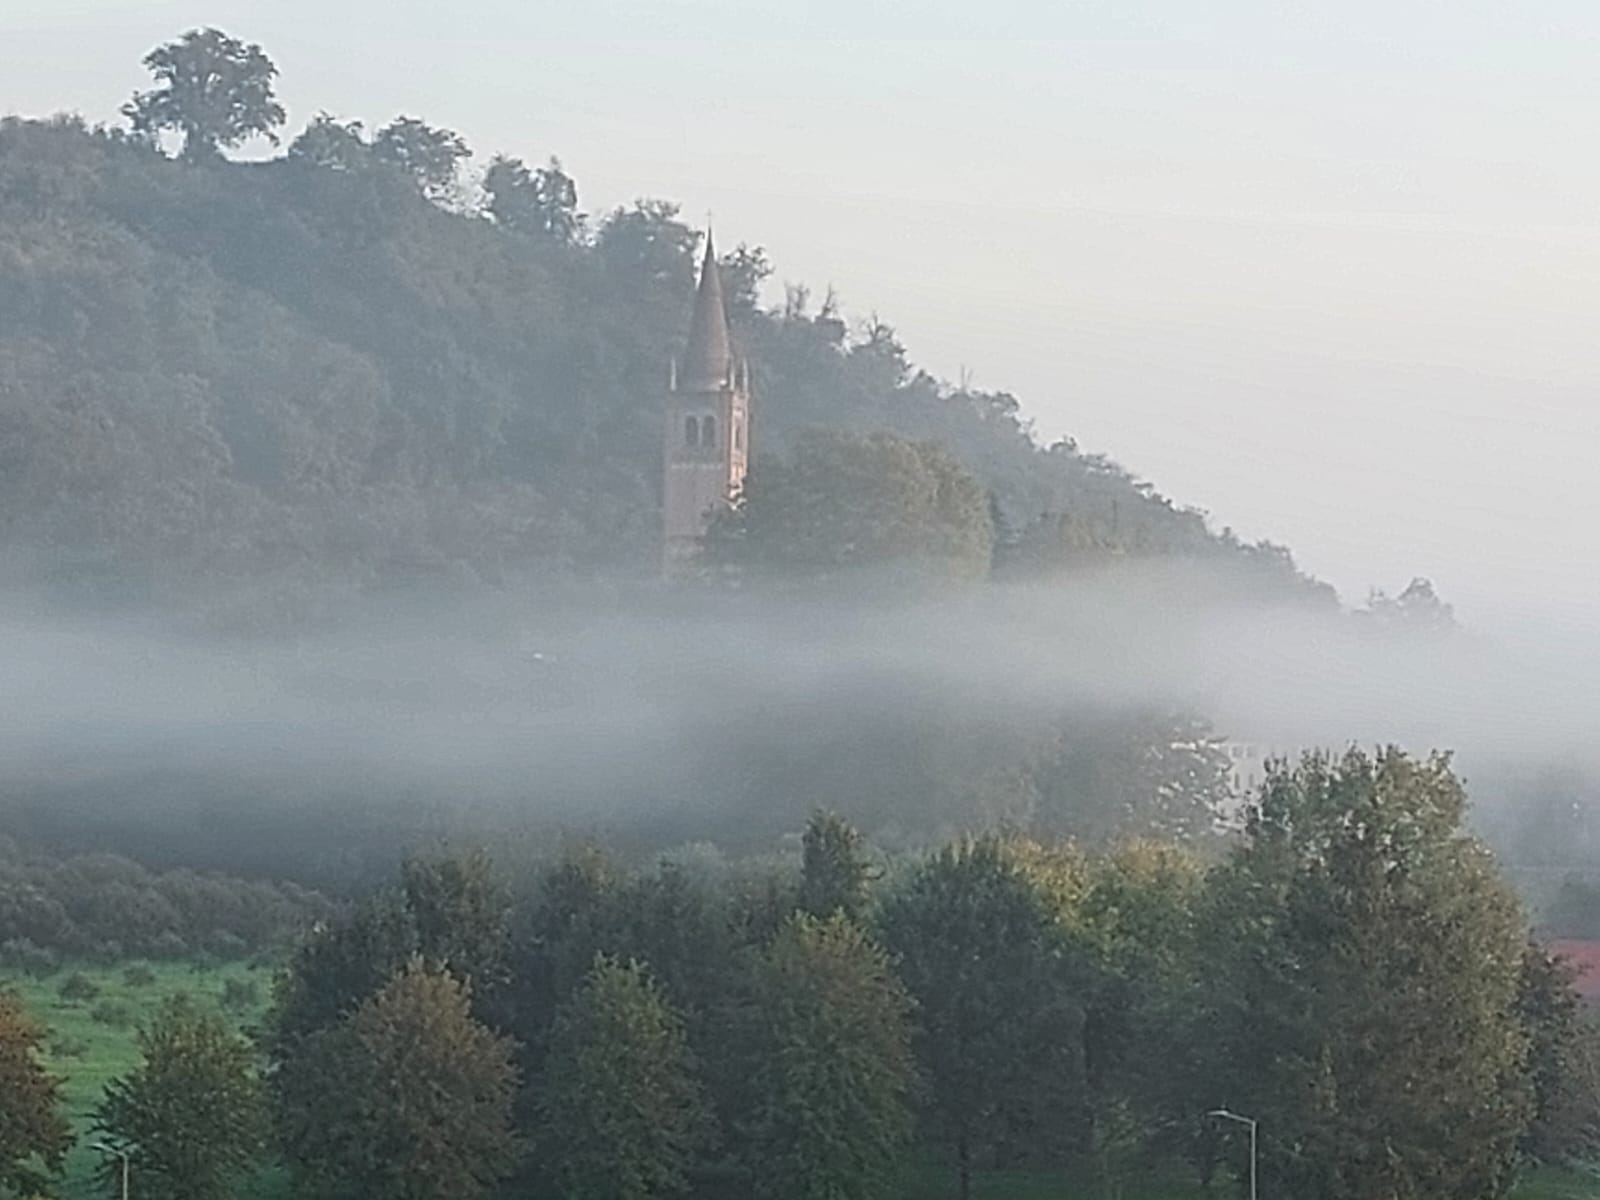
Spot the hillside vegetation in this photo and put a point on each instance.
(327, 370)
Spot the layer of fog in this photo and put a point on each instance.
(594, 703)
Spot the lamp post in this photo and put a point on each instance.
(107, 1148)
(1226, 1116)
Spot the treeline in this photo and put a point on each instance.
(352, 366)
(106, 907)
(1353, 974)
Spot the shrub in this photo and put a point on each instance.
(65, 1046)
(113, 1013)
(240, 995)
(78, 987)
(25, 956)
(139, 976)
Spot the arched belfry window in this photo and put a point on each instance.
(691, 431)
(708, 431)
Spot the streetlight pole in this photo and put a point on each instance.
(1226, 1116)
(106, 1148)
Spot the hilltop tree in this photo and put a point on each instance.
(621, 1114)
(648, 243)
(332, 144)
(1367, 961)
(213, 89)
(408, 1097)
(542, 201)
(744, 270)
(430, 155)
(192, 1116)
(831, 1070)
(34, 1136)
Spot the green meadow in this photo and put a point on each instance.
(92, 1039)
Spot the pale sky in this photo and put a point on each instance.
(1330, 272)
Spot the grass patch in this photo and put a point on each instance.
(86, 1051)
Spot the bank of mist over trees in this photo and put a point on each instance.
(249, 395)
(281, 399)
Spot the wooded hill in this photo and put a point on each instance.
(328, 370)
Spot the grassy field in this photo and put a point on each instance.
(92, 1042)
(92, 1038)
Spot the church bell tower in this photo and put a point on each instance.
(707, 436)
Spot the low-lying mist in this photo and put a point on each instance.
(689, 714)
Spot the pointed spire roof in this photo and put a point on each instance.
(708, 362)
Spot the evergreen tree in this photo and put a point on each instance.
(621, 1114)
(192, 1117)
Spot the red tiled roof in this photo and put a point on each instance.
(1584, 958)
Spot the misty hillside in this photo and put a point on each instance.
(308, 371)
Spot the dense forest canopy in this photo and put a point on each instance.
(335, 368)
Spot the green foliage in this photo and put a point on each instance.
(976, 939)
(1551, 1015)
(340, 965)
(294, 378)
(240, 995)
(192, 1117)
(87, 1055)
(112, 1013)
(835, 875)
(83, 905)
(407, 1097)
(1136, 958)
(459, 910)
(843, 502)
(831, 1072)
(33, 1134)
(332, 145)
(542, 202)
(1366, 963)
(621, 1113)
(449, 909)
(429, 156)
(78, 987)
(213, 89)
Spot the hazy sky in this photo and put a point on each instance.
(1330, 272)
